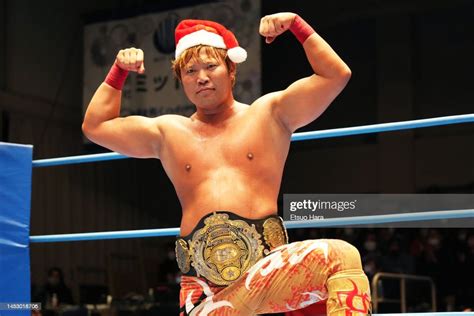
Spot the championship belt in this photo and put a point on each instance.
(224, 249)
(274, 232)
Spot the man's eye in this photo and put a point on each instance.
(210, 66)
(189, 71)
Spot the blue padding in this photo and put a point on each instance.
(15, 192)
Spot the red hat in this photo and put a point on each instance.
(191, 33)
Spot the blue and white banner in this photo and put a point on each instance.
(157, 91)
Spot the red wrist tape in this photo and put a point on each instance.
(301, 29)
(116, 77)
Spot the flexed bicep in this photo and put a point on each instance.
(134, 136)
(307, 98)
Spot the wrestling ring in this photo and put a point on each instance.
(357, 220)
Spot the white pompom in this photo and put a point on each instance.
(237, 54)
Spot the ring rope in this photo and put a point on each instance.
(337, 132)
(356, 220)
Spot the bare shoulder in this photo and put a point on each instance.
(172, 125)
(266, 107)
(170, 121)
(266, 100)
(266, 103)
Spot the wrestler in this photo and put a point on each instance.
(226, 163)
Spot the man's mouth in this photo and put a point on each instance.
(203, 89)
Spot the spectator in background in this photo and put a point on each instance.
(431, 258)
(397, 261)
(416, 248)
(371, 265)
(466, 297)
(169, 271)
(54, 292)
(370, 244)
(384, 238)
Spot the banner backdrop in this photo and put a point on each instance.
(157, 92)
(15, 192)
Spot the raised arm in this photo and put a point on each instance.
(134, 136)
(306, 99)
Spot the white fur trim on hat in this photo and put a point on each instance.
(201, 37)
(237, 54)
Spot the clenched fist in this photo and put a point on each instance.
(131, 59)
(273, 25)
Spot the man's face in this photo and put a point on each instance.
(54, 278)
(206, 82)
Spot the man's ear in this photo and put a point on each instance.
(232, 76)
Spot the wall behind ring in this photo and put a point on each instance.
(409, 60)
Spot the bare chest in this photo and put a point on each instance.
(250, 148)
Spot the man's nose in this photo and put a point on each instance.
(202, 78)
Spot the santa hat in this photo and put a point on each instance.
(191, 33)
